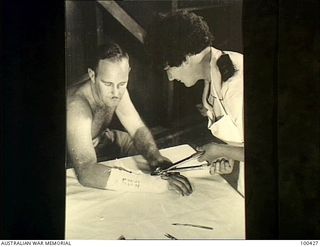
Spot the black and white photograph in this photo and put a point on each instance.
(160, 120)
(155, 140)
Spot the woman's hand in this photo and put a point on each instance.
(221, 166)
(214, 154)
(211, 152)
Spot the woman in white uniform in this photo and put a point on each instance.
(182, 44)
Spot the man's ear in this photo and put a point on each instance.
(91, 74)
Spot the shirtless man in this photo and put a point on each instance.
(90, 108)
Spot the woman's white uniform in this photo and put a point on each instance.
(225, 115)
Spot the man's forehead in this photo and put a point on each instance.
(113, 71)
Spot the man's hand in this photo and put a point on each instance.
(178, 183)
(221, 166)
(160, 164)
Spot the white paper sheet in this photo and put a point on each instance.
(101, 214)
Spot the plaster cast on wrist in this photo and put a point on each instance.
(120, 180)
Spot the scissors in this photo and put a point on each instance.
(174, 168)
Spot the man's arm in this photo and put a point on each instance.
(92, 174)
(141, 135)
(80, 147)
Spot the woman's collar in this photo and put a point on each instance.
(215, 54)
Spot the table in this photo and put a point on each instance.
(106, 215)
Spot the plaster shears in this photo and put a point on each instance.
(177, 166)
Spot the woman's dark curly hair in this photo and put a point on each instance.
(170, 38)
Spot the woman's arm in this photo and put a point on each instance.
(213, 151)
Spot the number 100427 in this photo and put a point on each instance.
(309, 242)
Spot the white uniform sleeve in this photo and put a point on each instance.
(234, 95)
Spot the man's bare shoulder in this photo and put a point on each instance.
(77, 104)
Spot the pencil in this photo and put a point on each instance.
(170, 236)
(192, 225)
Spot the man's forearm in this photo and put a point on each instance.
(121, 180)
(92, 175)
(102, 177)
(145, 144)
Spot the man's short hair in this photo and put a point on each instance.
(170, 38)
(109, 50)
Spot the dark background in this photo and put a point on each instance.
(281, 43)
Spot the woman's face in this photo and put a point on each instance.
(185, 73)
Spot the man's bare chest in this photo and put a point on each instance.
(100, 120)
